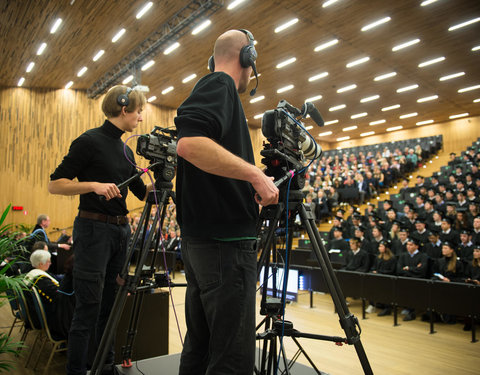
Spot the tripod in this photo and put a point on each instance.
(273, 308)
(140, 282)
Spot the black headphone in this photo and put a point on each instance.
(123, 100)
(248, 56)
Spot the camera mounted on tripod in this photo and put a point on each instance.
(289, 144)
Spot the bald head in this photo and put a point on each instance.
(228, 45)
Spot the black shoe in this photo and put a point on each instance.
(385, 312)
(409, 316)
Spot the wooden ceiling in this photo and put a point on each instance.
(89, 25)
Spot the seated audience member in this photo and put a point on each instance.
(461, 221)
(420, 233)
(310, 203)
(356, 259)
(173, 241)
(433, 248)
(377, 238)
(321, 205)
(448, 268)
(337, 223)
(448, 234)
(399, 246)
(464, 249)
(436, 224)
(39, 234)
(472, 271)
(385, 262)
(365, 244)
(338, 243)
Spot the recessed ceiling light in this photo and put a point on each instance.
(427, 2)
(385, 76)
(41, 48)
(413, 114)
(256, 117)
(234, 4)
(82, 71)
(427, 98)
(128, 79)
(347, 88)
(405, 45)
(331, 122)
(358, 62)
(407, 88)
(286, 25)
(313, 98)
(459, 115)
(21, 81)
(476, 100)
(358, 115)
(366, 134)
(55, 26)
(432, 61)
(393, 128)
(167, 90)
(424, 122)
(326, 45)
(68, 85)
(30, 67)
(476, 48)
(118, 35)
(318, 76)
(378, 122)
(189, 78)
(285, 88)
(465, 89)
(144, 10)
(201, 27)
(98, 55)
(343, 139)
(151, 99)
(328, 3)
(148, 65)
(450, 76)
(369, 98)
(376, 23)
(286, 62)
(349, 128)
(463, 24)
(257, 99)
(171, 48)
(324, 134)
(337, 107)
(395, 106)
(309, 127)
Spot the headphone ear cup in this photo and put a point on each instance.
(211, 64)
(122, 100)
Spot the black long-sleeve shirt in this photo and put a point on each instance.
(417, 265)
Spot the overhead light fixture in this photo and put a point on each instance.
(407, 88)
(171, 48)
(328, 3)
(349, 128)
(451, 76)
(358, 62)
(41, 48)
(201, 27)
(458, 115)
(151, 99)
(366, 134)
(476, 100)
(359, 115)
(30, 67)
(309, 127)
(413, 114)
(343, 139)
(148, 65)
(405, 45)
(21, 81)
(286, 62)
(257, 99)
(234, 4)
(393, 128)
(424, 122)
(285, 88)
(313, 98)
(98, 55)
(189, 78)
(337, 107)
(385, 76)
(68, 85)
(324, 134)
(167, 90)
(465, 89)
(286, 25)
(326, 45)
(256, 117)
(347, 88)
(128, 79)
(144, 10)
(427, 2)
(427, 98)
(369, 98)
(331, 122)
(476, 48)
(82, 71)
(432, 61)
(378, 122)
(118, 35)
(463, 24)
(376, 23)
(395, 106)
(318, 76)
(55, 26)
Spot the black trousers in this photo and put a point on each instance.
(219, 307)
(100, 250)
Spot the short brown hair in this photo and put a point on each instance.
(110, 106)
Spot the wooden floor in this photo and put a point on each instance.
(405, 349)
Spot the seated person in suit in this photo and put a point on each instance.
(473, 268)
(356, 259)
(448, 268)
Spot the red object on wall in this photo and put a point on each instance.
(17, 208)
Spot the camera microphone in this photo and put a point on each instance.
(309, 109)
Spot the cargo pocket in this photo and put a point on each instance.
(88, 286)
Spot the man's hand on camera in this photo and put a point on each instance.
(108, 190)
(266, 191)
